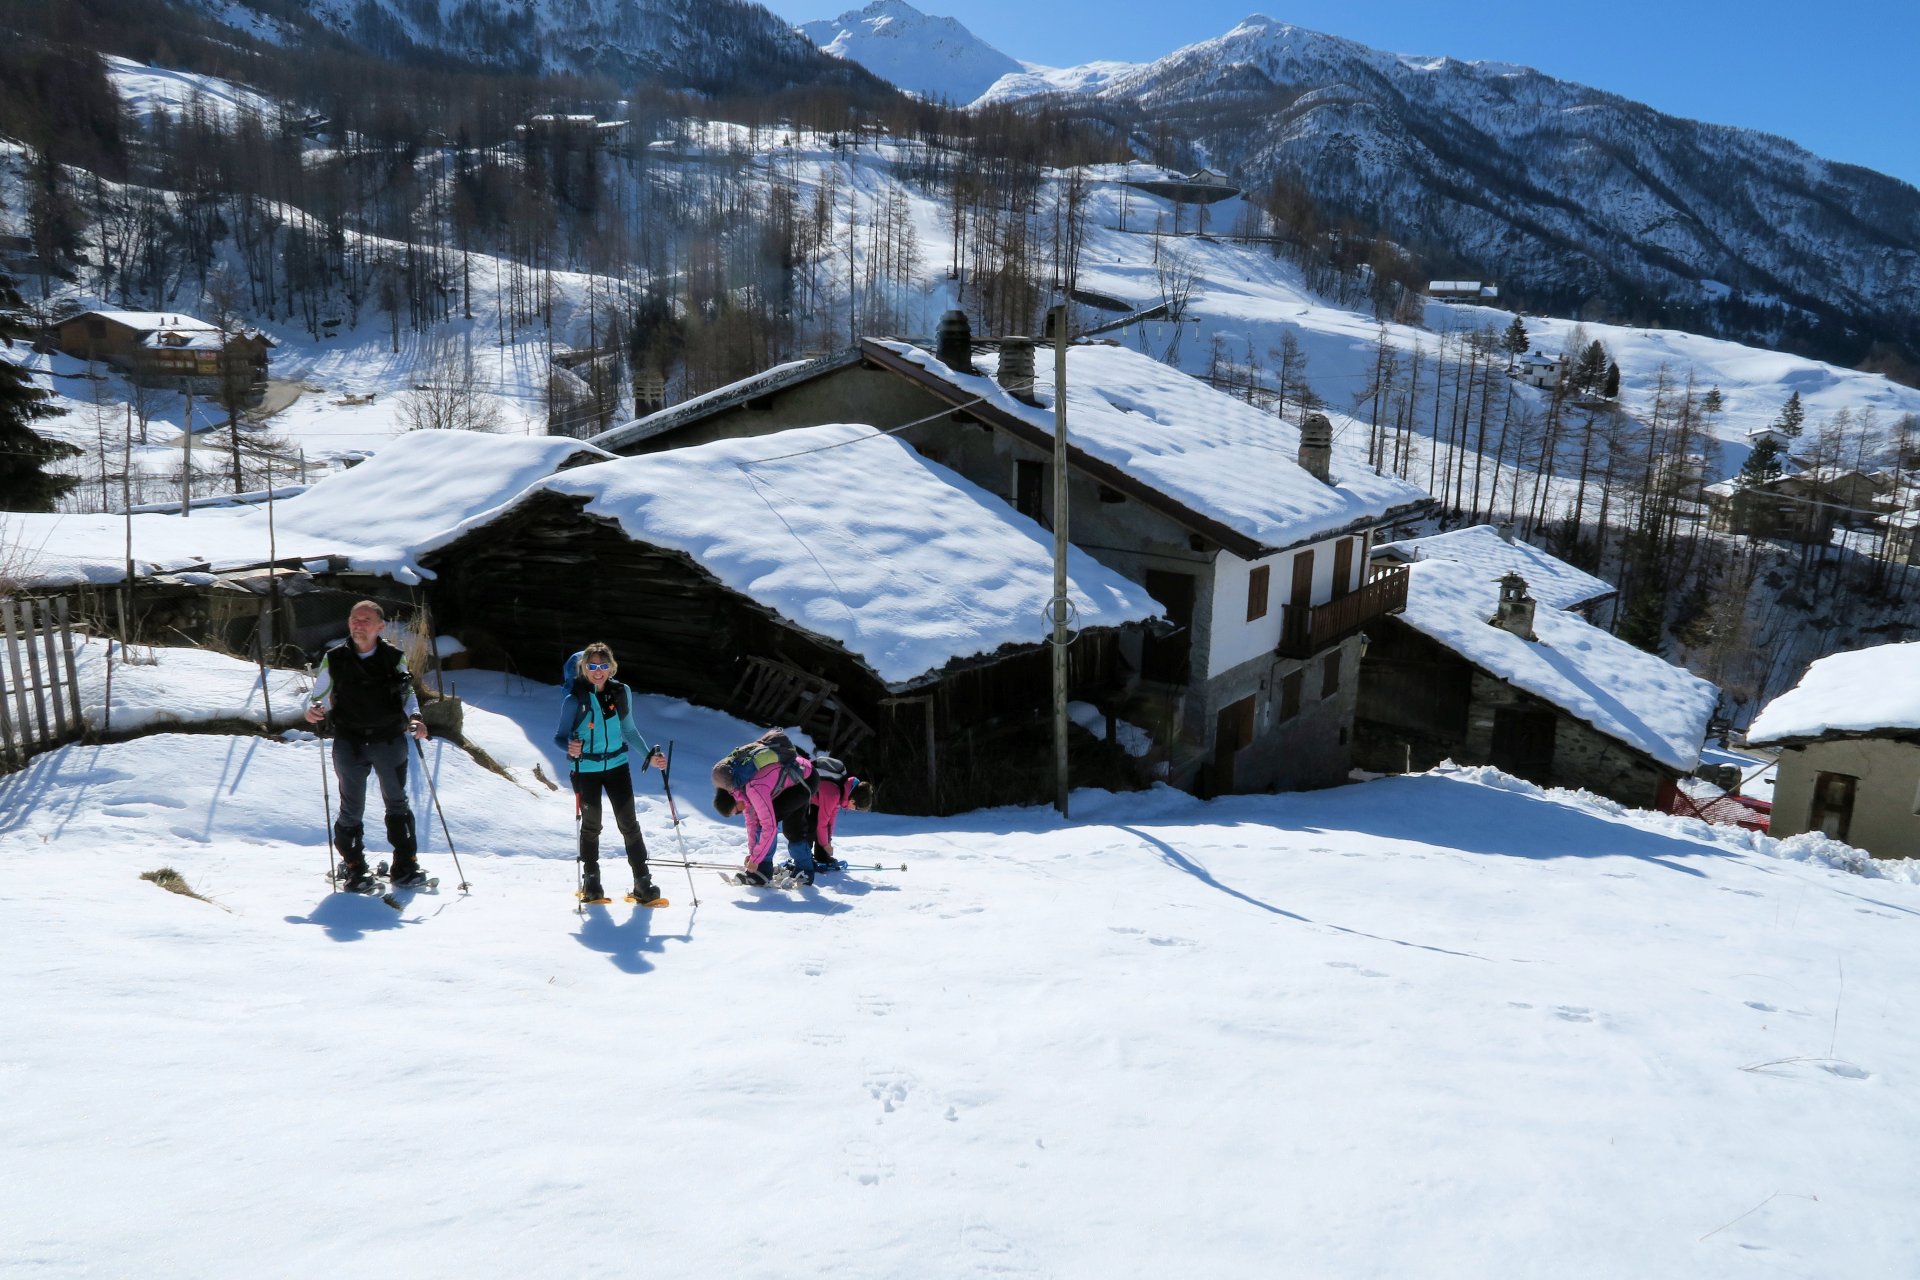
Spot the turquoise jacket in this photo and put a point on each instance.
(604, 725)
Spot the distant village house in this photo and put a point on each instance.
(167, 349)
(1850, 760)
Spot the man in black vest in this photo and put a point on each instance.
(365, 685)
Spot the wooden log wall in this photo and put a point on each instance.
(546, 579)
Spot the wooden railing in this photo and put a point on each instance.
(39, 691)
(1305, 632)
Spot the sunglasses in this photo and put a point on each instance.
(599, 666)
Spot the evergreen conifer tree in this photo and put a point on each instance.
(1762, 465)
(1612, 388)
(1793, 417)
(1515, 341)
(25, 484)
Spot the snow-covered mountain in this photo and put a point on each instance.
(937, 57)
(1572, 197)
(929, 56)
(711, 45)
(1570, 191)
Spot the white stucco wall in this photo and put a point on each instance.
(1234, 639)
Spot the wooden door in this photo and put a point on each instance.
(1029, 489)
(1342, 567)
(1523, 743)
(1297, 625)
(1168, 658)
(1832, 812)
(1232, 733)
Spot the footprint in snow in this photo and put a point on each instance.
(1573, 1013)
(1762, 1006)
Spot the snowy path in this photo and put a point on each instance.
(1423, 1026)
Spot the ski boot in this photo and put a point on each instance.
(355, 876)
(647, 895)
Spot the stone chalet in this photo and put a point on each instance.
(1249, 532)
(167, 349)
(1479, 672)
(1850, 759)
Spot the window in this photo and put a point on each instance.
(1029, 486)
(1290, 694)
(1257, 583)
(1330, 675)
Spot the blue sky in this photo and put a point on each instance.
(1834, 77)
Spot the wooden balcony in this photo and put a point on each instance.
(1305, 632)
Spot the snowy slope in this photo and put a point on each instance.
(1529, 1033)
(146, 90)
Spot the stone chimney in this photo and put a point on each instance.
(1516, 607)
(1316, 447)
(1506, 531)
(1016, 368)
(953, 342)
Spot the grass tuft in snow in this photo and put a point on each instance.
(173, 882)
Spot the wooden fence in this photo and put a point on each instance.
(39, 689)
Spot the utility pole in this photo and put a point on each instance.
(186, 464)
(1060, 605)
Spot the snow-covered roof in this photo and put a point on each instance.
(1632, 696)
(1550, 580)
(144, 320)
(1866, 692)
(375, 514)
(766, 382)
(1198, 449)
(859, 540)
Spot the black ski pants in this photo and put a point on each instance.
(387, 761)
(617, 786)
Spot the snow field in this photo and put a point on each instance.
(1441, 1025)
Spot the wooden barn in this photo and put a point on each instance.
(891, 611)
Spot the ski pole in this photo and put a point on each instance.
(579, 863)
(326, 796)
(434, 791)
(666, 784)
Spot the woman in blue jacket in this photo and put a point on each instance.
(596, 727)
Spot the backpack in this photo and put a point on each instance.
(828, 769)
(571, 672)
(740, 764)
